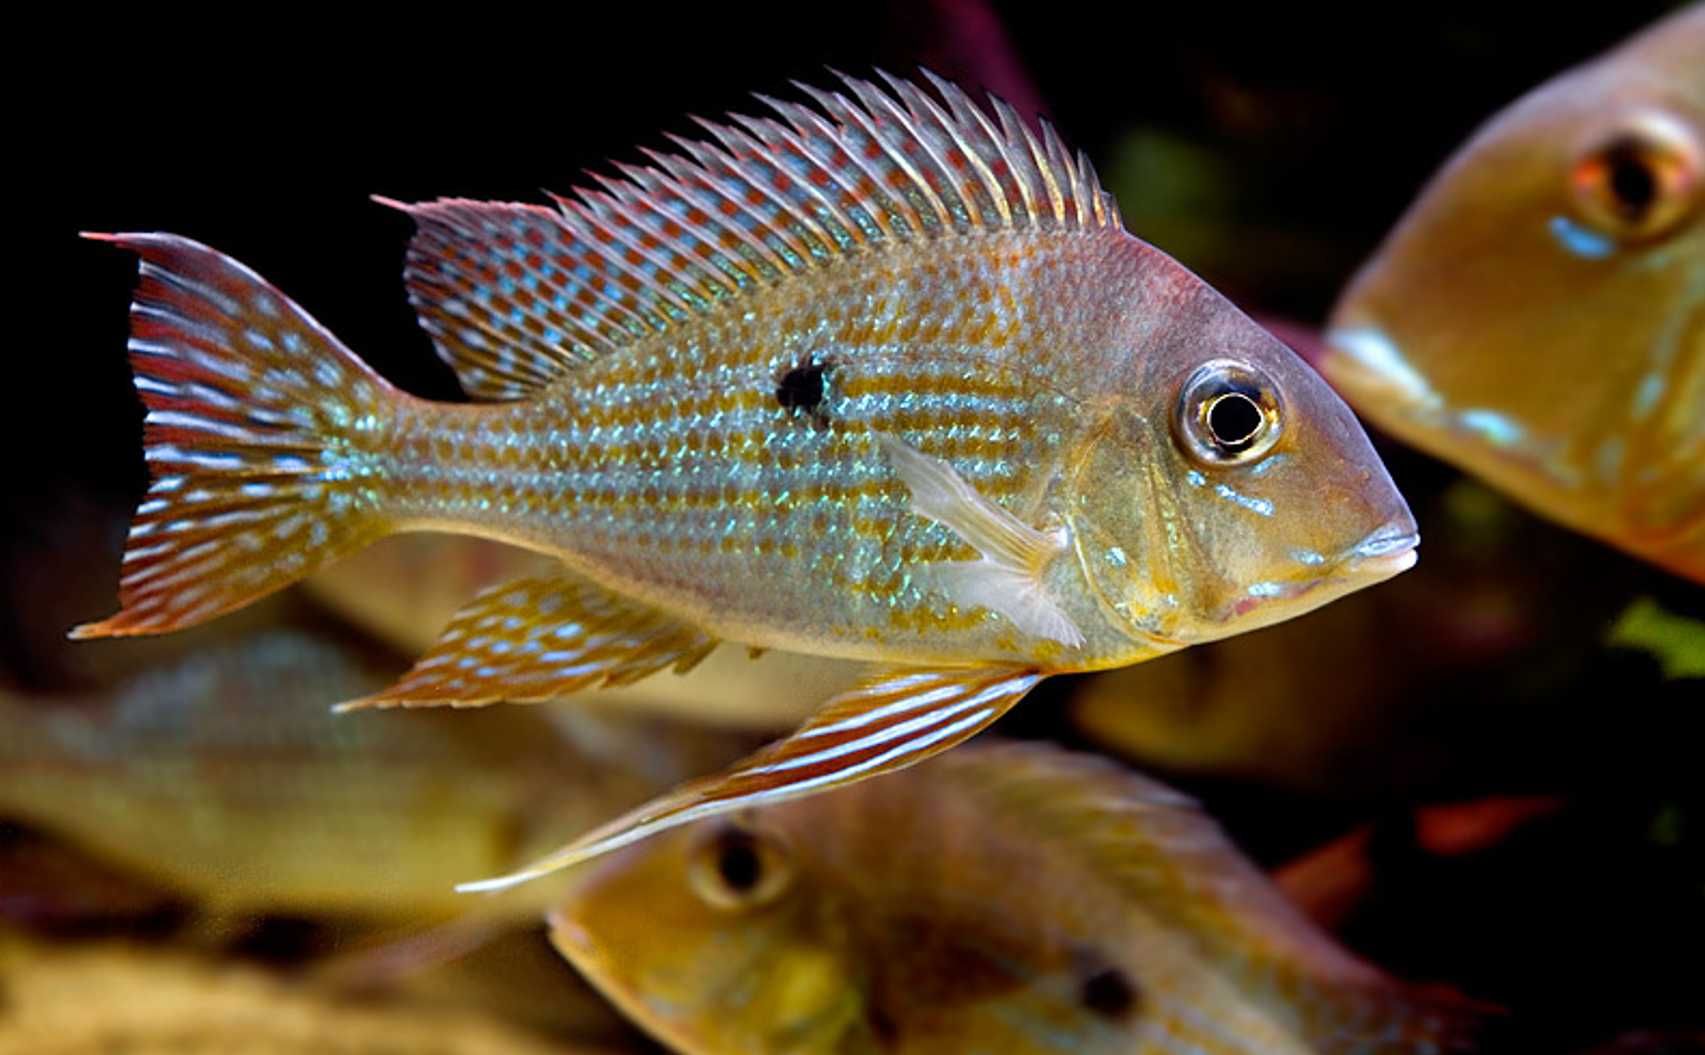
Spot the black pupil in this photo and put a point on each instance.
(1109, 993)
(1632, 182)
(801, 387)
(1234, 419)
(738, 863)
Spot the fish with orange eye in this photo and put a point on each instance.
(881, 378)
(1538, 316)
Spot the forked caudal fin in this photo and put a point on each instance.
(262, 438)
(893, 719)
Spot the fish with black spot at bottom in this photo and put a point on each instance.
(1012, 898)
(1038, 444)
(1538, 316)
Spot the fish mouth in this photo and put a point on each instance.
(1384, 552)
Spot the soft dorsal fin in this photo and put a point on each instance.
(514, 295)
(1155, 844)
(1173, 862)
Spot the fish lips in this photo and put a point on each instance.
(1386, 551)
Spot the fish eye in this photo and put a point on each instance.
(1640, 181)
(736, 869)
(1109, 993)
(1228, 414)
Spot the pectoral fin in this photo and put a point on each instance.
(893, 719)
(539, 638)
(1008, 578)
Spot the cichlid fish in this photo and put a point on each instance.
(881, 381)
(1016, 898)
(220, 776)
(1538, 316)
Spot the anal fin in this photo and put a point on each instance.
(895, 718)
(535, 639)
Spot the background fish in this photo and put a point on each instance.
(1538, 316)
(161, 1003)
(1012, 898)
(222, 776)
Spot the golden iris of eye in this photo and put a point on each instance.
(1641, 181)
(1228, 414)
(735, 869)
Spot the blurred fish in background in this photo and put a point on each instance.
(223, 788)
(1013, 898)
(107, 998)
(1538, 316)
(224, 775)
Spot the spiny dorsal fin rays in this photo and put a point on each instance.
(893, 719)
(514, 296)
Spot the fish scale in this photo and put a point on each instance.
(1003, 465)
(672, 473)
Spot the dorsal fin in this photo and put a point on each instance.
(1157, 845)
(1165, 854)
(515, 295)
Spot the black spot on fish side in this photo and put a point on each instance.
(1109, 993)
(802, 389)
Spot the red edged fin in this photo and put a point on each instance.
(893, 719)
(540, 638)
(262, 439)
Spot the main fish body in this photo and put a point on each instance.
(882, 382)
(1013, 898)
(677, 477)
(1538, 315)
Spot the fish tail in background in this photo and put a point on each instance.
(263, 438)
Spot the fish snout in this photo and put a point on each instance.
(1367, 365)
(1385, 551)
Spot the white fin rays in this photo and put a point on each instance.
(894, 719)
(514, 296)
(1008, 578)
